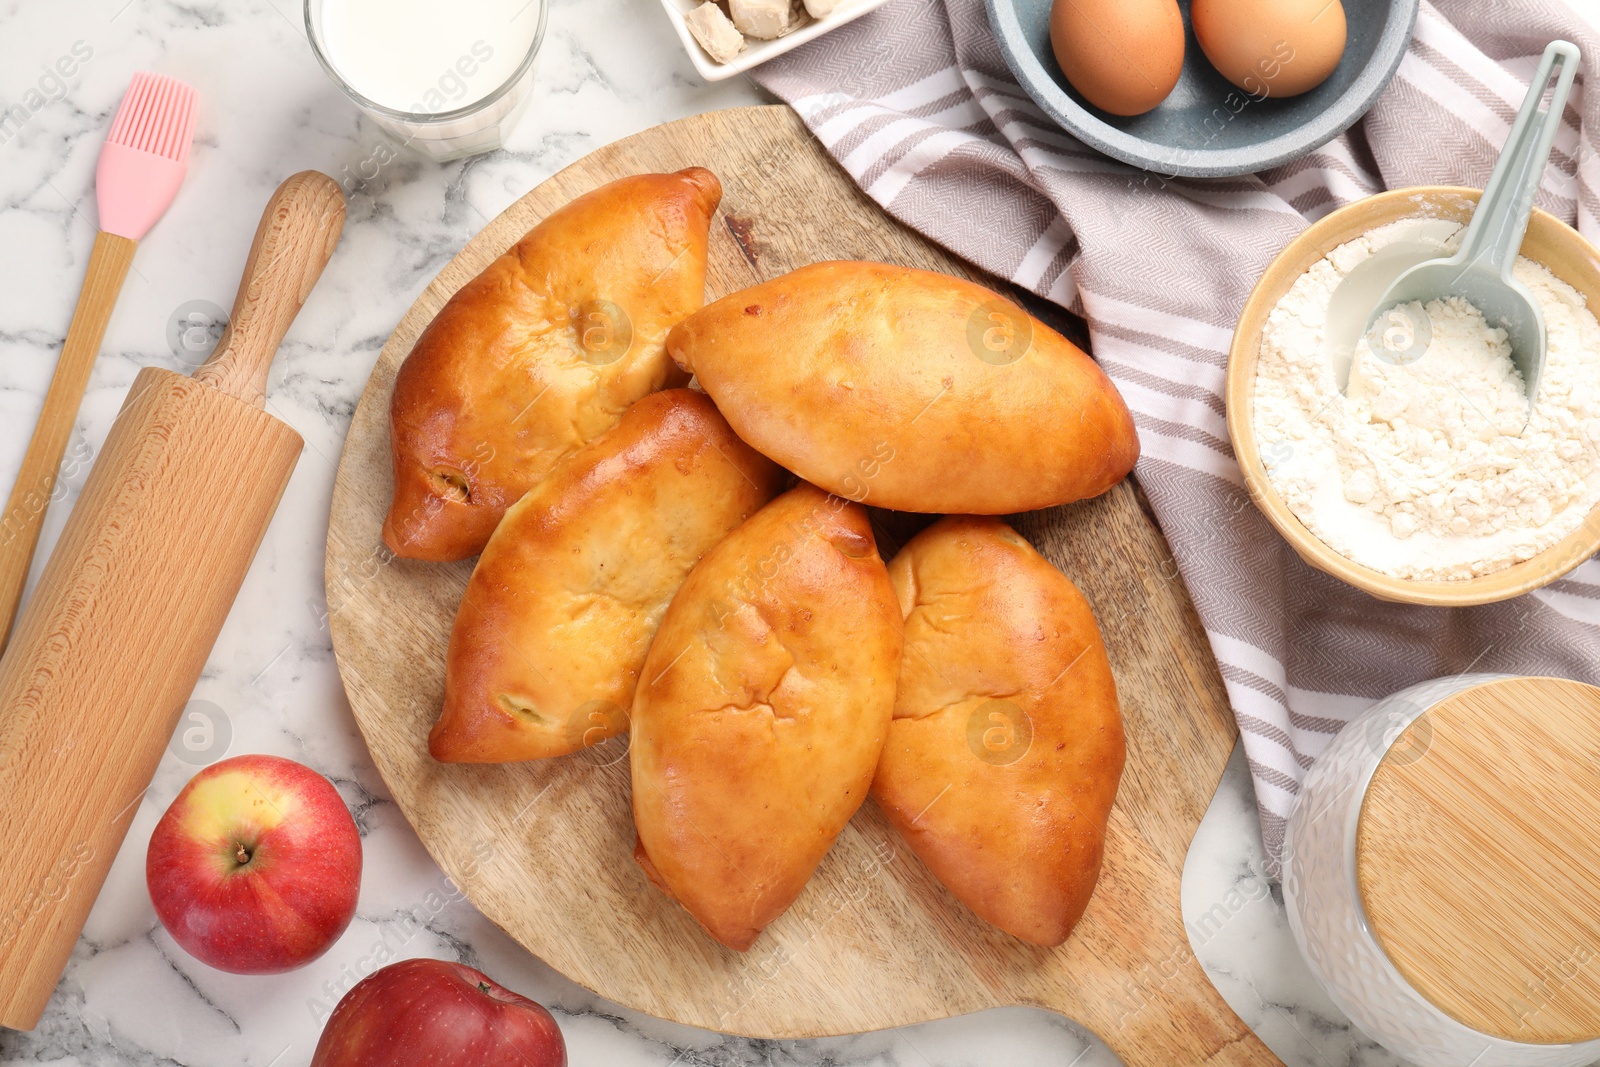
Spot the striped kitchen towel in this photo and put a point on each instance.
(916, 103)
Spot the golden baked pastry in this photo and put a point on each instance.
(542, 353)
(761, 711)
(909, 390)
(560, 610)
(1006, 747)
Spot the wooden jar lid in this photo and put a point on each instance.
(1478, 858)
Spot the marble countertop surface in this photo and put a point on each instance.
(608, 68)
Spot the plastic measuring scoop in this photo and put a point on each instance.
(1480, 271)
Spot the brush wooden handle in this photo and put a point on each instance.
(110, 645)
(298, 230)
(36, 481)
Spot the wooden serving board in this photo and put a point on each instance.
(545, 849)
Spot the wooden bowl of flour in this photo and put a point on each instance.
(1549, 241)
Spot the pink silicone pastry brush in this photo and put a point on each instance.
(141, 166)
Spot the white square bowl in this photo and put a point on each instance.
(758, 52)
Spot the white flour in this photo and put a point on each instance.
(1426, 470)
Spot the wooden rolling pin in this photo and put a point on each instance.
(110, 646)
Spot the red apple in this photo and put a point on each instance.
(429, 1012)
(256, 865)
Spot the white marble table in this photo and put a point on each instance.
(609, 68)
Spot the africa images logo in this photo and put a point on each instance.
(999, 732)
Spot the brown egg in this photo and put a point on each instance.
(1124, 56)
(1271, 47)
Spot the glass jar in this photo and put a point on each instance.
(1327, 913)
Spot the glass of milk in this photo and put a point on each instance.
(447, 77)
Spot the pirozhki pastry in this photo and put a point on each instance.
(909, 390)
(1006, 748)
(542, 353)
(559, 612)
(762, 710)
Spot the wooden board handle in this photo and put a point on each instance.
(298, 230)
(1174, 1015)
(36, 481)
(111, 644)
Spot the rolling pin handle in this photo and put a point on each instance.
(298, 230)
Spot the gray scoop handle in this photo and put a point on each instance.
(1501, 219)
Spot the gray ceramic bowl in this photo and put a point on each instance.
(1176, 138)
